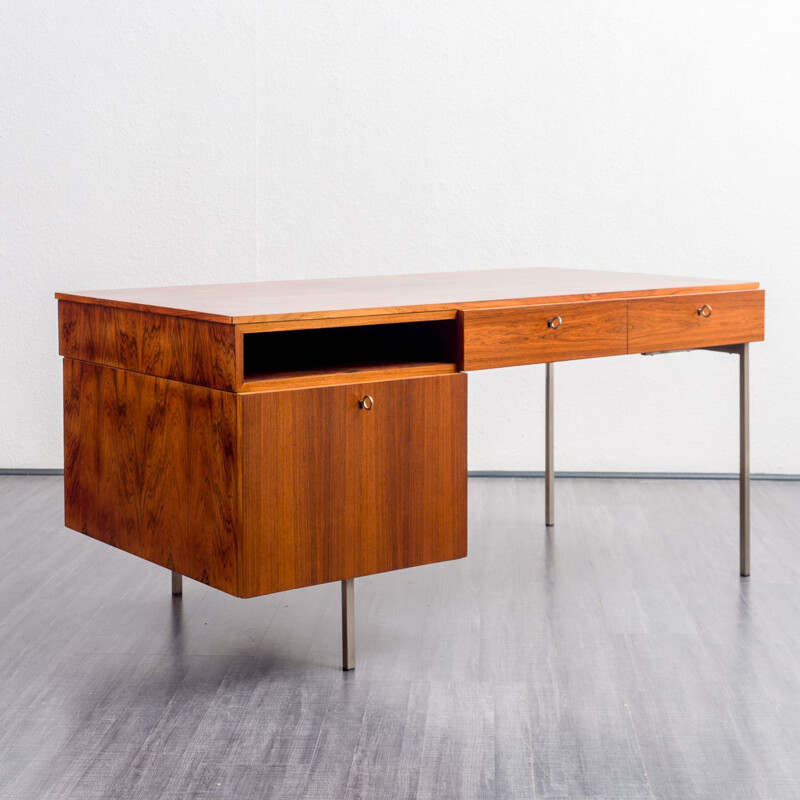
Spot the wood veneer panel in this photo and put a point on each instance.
(179, 348)
(150, 466)
(331, 491)
(672, 323)
(505, 337)
(391, 294)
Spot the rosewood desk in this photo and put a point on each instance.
(267, 436)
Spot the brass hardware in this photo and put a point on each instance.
(554, 323)
(704, 310)
(366, 402)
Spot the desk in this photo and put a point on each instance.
(267, 436)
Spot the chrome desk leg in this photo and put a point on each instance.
(348, 625)
(177, 583)
(549, 469)
(744, 460)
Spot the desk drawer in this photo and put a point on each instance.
(506, 337)
(695, 320)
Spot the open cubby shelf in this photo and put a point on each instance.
(409, 348)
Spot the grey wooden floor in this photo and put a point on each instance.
(619, 655)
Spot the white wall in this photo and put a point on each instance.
(148, 142)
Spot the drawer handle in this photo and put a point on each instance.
(704, 310)
(554, 323)
(366, 402)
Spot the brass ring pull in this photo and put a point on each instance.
(366, 402)
(704, 310)
(554, 323)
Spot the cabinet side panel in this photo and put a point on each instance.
(182, 349)
(332, 491)
(150, 467)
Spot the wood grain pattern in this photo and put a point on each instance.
(378, 490)
(505, 337)
(150, 466)
(395, 294)
(179, 348)
(672, 323)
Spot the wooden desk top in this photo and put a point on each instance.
(392, 294)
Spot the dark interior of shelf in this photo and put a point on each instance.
(358, 347)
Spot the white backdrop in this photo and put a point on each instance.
(147, 143)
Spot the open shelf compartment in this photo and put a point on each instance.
(348, 353)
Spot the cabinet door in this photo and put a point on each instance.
(332, 489)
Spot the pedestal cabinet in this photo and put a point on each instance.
(265, 489)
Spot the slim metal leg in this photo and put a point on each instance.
(549, 468)
(177, 583)
(744, 460)
(348, 625)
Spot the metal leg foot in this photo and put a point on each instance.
(549, 468)
(744, 460)
(348, 625)
(177, 583)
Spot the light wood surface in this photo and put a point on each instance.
(673, 323)
(507, 337)
(342, 322)
(342, 297)
(333, 491)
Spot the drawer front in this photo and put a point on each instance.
(695, 320)
(336, 486)
(506, 337)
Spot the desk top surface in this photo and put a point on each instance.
(391, 294)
